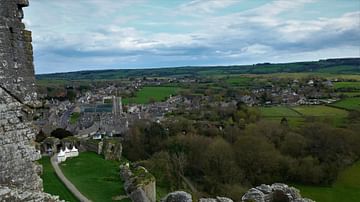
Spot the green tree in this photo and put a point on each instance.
(259, 159)
(220, 167)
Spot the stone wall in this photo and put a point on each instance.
(19, 179)
(274, 192)
(139, 184)
(262, 193)
(16, 53)
(112, 149)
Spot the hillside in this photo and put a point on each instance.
(331, 66)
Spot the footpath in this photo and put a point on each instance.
(66, 182)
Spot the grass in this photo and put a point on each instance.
(348, 103)
(52, 183)
(324, 113)
(345, 189)
(47, 82)
(159, 93)
(240, 81)
(94, 177)
(347, 69)
(320, 110)
(296, 115)
(302, 75)
(74, 118)
(276, 113)
(347, 84)
(350, 94)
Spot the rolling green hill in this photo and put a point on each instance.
(332, 66)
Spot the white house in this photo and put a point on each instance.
(74, 152)
(64, 154)
(67, 152)
(61, 156)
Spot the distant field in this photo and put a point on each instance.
(345, 189)
(345, 69)
(49, 81)
(240, 81)
(301, 75)
(349, 103)
(320, 110)
(354, 85)
(334, 115)
(74, 118)
(94, 177)
(296, 115)
(350, 94)
(159, 93)
(52, 183)
(276, 113)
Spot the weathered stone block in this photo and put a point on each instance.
(19, 179)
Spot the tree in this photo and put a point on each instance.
(307, 171)
(178, 162)
(259, 159)
(134, 148)
(231, 133)
(152, 100)
(71, 95)
(160, 166)
(293, 145)
(41, 136)
(220, 167)
(61, 133)
(155, 135)
(284, 122)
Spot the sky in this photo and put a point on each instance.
(78, 35)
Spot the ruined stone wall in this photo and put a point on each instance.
(139, 184)
(16, 54)
(19, 179)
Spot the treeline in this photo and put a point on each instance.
(234, 150)
(341, 65)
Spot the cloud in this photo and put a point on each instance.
(275, 8)
(206, 6)
(107, 34)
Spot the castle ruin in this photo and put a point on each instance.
(19, 175)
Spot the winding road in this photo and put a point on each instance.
(66, 182)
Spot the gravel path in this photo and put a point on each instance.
(67, 183)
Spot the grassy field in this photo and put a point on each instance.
(276, 113)
(324, 113)
(354, 85)
(349, 103)
(241, 81)
(74, 117)
(144, 95)
(94, 177)
(350, 94)
(52, 183)
(345, 189)
(320, 110)
(297, 115)
(303, 75)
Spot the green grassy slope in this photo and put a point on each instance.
(345, 189)
(348, 103)
(52, 183)
(296, 115)
(94, 177)
(158, 93)
(332, 66)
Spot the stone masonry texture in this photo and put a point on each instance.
(19, 174)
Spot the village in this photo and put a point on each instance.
(100, 112)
